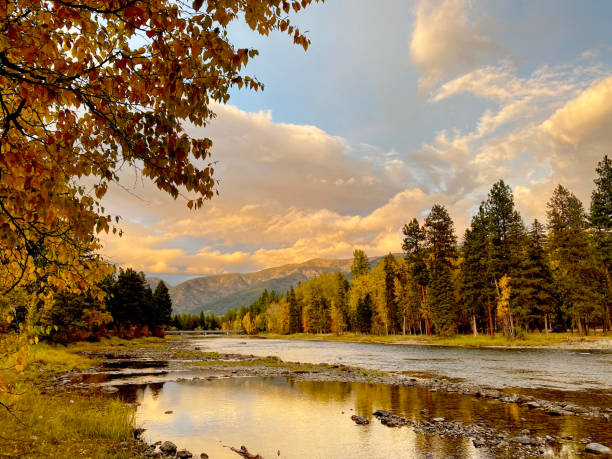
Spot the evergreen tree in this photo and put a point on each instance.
(538, 283)
(163, 304)
(601, 220)
(364, 314)
(506, 234)
(130, 299)
(294, 312)
(360, 264)
(576, 271)
(339, 303)
(415, 255)
(475, 288)
(390, 301)
(442, 248)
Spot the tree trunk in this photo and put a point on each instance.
(579, 324)
(546, 323)
(491, 329)
(404, 326)
(608, 312)
(427, 326)
(474, 328)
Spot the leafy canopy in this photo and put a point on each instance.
(90, 86)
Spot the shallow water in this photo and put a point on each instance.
(310, 419)
(568, 370)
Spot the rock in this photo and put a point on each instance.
(478, 442)
(597, 448)
(533, 405)
(359, 420)
(184, 454)
(168, 447)
(203, 456)
(138, 432)
(168, 412)
(439, 419)
(524, 440)
(381, 413)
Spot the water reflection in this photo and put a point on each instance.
(312, 419)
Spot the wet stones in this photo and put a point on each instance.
(168, 447)
(184, 454)
(596, 448)
(525, 440)
(360, 420)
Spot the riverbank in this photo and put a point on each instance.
(42, 417)
(69, 402)
(531, 340)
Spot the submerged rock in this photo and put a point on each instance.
(359, 420)
(524, 440)
(597, 448)
(184, 454)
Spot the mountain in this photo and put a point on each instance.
(222, 292)
(153, 281)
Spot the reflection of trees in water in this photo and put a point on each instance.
(325, 391)
(156, 389)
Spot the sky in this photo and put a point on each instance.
(396, 106)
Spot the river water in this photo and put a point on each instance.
(563, 370)
(279, 417)
(282, 417)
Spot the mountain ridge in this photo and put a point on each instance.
(220, 292)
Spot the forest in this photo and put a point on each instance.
(502, 276)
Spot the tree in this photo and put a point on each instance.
(364, 314)
(294, 312)
(415, 254)
(574, 264)
(360, 264)
(600, 218)
(390, 308)
(475, 288)
(130, 300)
(442, 249)
(163, 304)
(538, 284)
(506, 234)
(339, 303)
(89, 87)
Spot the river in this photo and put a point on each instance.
(553, 369)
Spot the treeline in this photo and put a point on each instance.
(503, 276)
(126, 307)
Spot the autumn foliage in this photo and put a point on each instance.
(92, 86)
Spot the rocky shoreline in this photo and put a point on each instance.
(178, 356)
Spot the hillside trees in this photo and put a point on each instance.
(89, 87)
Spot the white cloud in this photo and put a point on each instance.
(445, 41)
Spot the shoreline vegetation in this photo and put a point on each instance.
(601, 340)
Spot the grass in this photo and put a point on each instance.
(38, 422)
(530, 339)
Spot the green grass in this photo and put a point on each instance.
(530, 339)
(36, 422)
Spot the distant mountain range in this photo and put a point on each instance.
(222, 292)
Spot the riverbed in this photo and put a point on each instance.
(553, 369)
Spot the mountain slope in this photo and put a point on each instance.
(222, 292)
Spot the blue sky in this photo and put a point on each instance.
(396, 105)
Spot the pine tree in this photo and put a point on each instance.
(339, 303)
(506, 234)
(538, 284)
(415, 255)
(475, 288)
(360, 264)
(162, 304)
(294, 312)
(364, 314)
(442, 249)
(601, 220)
(390, 303)
(576, 271)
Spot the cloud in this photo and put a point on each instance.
(291, 192)
(445, 41)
